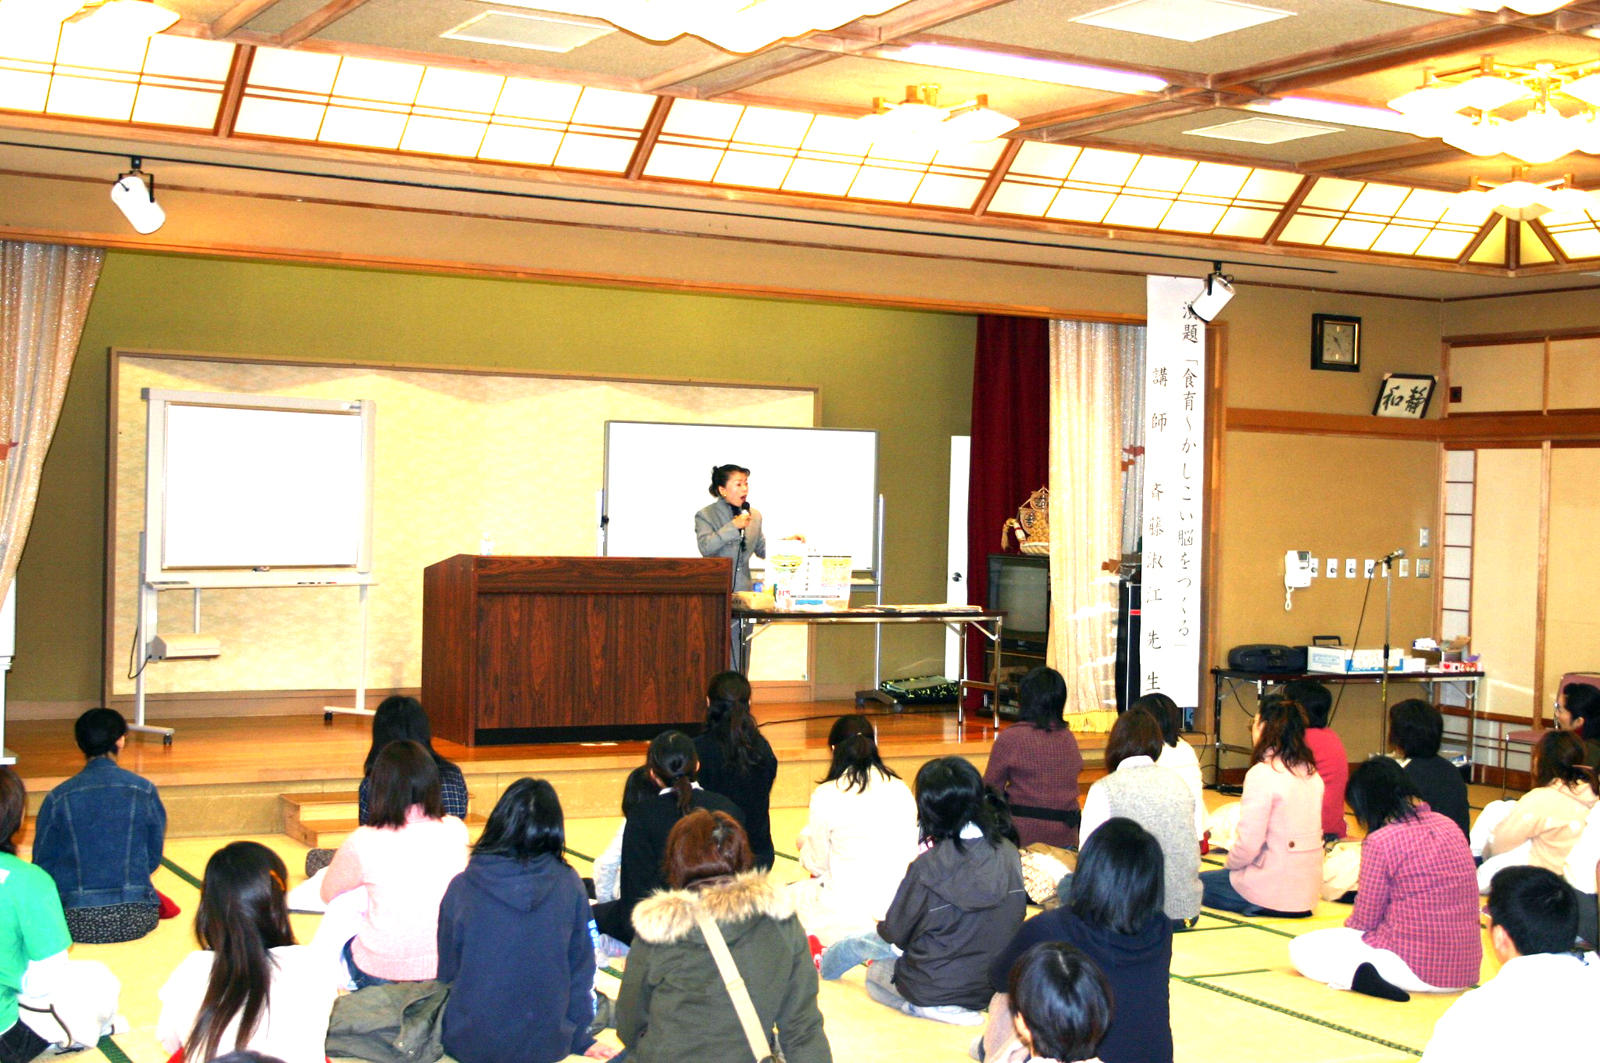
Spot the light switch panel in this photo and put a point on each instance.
(1422, 537)
(1333, 568)
(1367, 566)
(1404, 568)
(1424, 568)
(1315, 568)
(1349, 568)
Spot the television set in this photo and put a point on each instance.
(1019, 586)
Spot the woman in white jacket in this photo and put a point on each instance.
(861, 834)
(1176, 754)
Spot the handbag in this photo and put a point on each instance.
(760, 1047)
(401, 1022)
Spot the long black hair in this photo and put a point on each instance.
(1042, 698)
(1583, 705)
(729, 723)
(403, 776)
(1120, 883)
(526, 822)
(854, 742)
(672, 760)
(1380, 793)
(400, 719)
(1167, 714)
(243, 912)
(1559, 758)
(951, 794)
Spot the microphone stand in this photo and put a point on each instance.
(1383, 689)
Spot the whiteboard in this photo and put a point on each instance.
(257, 482)
(818, 482)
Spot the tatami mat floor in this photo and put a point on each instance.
(1233, 991)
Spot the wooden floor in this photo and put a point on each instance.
(259, 749)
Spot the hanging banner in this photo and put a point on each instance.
(1174, 477)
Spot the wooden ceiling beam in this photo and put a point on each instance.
(239, 14)
(747, 78)
(1302, 190)
(1382, 160)
(1450, 29)
(1477, 241)
(991, 184)
(1099, 118)
(647, 140)
(233, 89)
(317, 21)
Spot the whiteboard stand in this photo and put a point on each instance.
(145, 630)
(876, 694)
(360, 707)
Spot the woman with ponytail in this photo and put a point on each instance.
(858, 839)
(673, 768)
(736, 761)
(251, 988)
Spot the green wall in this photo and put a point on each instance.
(906, 374)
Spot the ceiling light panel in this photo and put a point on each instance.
(1577, 234)
(67, 70)
(440, 111)
(1124, 189)
(1384, 219)
(819, 155)
(540, 33)
(1028, 68)
(1182, 20)
(1261, 131)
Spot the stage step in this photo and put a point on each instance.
(325, 818)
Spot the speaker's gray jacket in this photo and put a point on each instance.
(714, 531)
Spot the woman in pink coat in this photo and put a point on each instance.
(1275, 866)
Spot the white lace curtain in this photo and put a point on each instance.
(1095, 398)
(44, 296)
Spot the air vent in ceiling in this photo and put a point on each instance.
(542, 33)
(1261, 131)
(1181, 20)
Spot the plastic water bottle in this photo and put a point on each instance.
(486, 546)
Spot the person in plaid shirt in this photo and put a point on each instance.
(1415, 924)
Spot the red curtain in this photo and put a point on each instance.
(1010, 443)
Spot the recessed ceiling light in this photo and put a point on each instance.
(1051, 71)
(1330, 111)
(1261, 131)
(1182, 20)
(542, 33)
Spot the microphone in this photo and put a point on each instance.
(1393, 557)
(745, 508)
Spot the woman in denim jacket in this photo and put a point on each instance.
(100, 835)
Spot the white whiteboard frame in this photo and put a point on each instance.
(155, 571)
(873, 572)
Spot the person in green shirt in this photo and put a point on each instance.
(34, 970)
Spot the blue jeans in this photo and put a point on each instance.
(361, 979)
(853, 951)
(1220, 894)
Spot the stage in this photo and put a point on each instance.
(225, 775)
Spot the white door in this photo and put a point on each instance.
(956, 571)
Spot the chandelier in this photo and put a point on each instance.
(732, 25)
(1536, 114)
(919, 121)
(1522, 200)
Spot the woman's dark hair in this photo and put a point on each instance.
(1120, 883)
(1583, 703)
(1167, 714)
(403, 775)
(706, 845)
(400, 719)
(1283, 734)
(243, 912)
(951, 794)
(526, 822)
(639, 787)
(1380, 793)
(1312, 696)
(672, 760)
(721, 474)
(1135, 734)
(1559, 756)
(13, 806)
(1041, 699)
(1063, 997)
(855, 753)
(1416, 728)
(729, 723)
(1000, 811)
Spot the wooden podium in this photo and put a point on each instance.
(538, 649)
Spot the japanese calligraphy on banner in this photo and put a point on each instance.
(1174, 476)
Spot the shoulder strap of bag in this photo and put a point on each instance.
(753, 1032)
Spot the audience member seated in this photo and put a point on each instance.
(251, 987)
(1060, 1006)
(1533, 1008)
(1274, 865)
(1333, 763)
(960, 902)
(385, 883)
(860, 835)
(1543, 825)
(1155, 798)
(1582, 872)
(514, 941)
(1176, 754)
(46, 1000)
(1416, 728)
(608, 865)
(1415, 924)
(100, 835)
(675, 1001)
(736, 760)
(1114, 916)
(1578, 711)
(1034, 764)
(673, 768)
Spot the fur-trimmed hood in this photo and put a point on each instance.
(669, 916)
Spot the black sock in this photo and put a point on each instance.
(1370, 982)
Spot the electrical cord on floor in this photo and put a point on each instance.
(1360, 620)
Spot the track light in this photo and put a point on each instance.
(135, 195)
(1219, 289)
